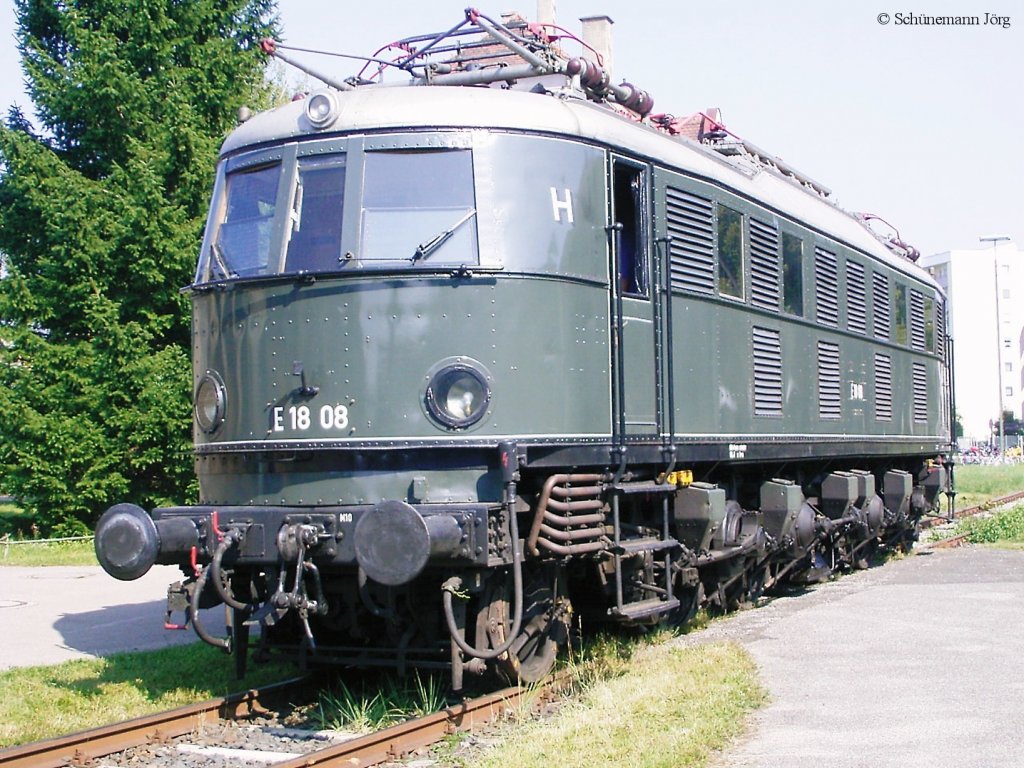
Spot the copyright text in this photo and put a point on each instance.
(904, 19)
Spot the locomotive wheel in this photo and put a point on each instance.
(545, 628)
(690, 600)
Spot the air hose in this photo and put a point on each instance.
(232, 537)
(453, 584)
(197, 625)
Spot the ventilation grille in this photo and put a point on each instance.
(767, 348)
(917, 334)
(881, 321)
(883, 387)
(940, 327)
(856, 298)
(826, 287)
(920, 393)
(830, 396)
(689, 222)
(764, 266)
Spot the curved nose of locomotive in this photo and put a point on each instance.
(393, 541)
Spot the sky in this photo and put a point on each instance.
(917, 123)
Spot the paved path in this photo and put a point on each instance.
(916, 663)
(50, 615)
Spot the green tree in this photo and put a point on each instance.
(101, 214)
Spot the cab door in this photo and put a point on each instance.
(634, 295)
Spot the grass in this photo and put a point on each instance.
(662, 705)
(379, 703)
(43, 702)
(18, 544)
(976, 483)
(45, 554)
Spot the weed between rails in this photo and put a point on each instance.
(376, 704)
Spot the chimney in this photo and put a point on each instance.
(545, 11)
(597, 33)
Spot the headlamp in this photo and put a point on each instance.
(458, 395)
(210, 402)
(321, 109)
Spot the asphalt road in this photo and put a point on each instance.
(56, 614)
(916, 663)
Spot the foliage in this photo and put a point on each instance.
(101, 212)
(48, 701)
(382, 703)
(1012, 427)
(1002, 527)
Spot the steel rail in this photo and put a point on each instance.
(78, 748)
(962, 538)
(400, 740)
(975, 510)
(387, 744)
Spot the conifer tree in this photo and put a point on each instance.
(101, 214)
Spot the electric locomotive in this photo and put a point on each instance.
(497, 343)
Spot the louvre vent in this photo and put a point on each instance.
(940, 327)
(882, 320)
(856, 298)
(917, 334)
(689, 222)
(920, 393)
(767, 348)
(764, 266)
(826, 287)
(830, 396)
(883, 387)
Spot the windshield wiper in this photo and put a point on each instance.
(423, 250)
(221, 261)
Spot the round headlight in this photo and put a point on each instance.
(321, 109)
(458, 396)
(210, 400)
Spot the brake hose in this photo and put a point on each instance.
(454, 583)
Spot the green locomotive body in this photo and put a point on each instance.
(519, 347)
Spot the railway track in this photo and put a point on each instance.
(156, 739)
(354, 752)
(79, 748)
(960, 539)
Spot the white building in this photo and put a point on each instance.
(988, 343)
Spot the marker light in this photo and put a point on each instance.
(210, 401)
(458, 396)
(321, 109)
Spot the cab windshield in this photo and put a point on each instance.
(388, 208)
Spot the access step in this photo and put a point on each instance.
(644, 487)
(644, 609)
